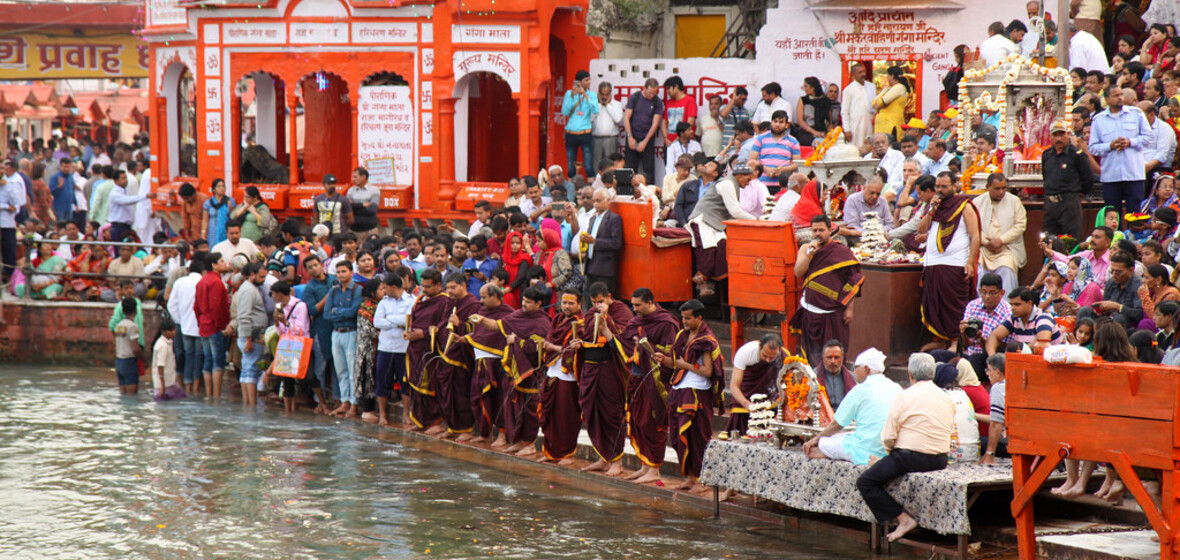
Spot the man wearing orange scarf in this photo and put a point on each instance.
(952, 253)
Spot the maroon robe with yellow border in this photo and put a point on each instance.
(647, 407)
(421, 356)
(522, 373)
(454, 371)
(946, 291)
(691, 410)
(487, 380)
(833, 279)
(601, 368)
(560, 414)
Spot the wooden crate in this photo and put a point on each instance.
(666, 271)
(275, 196)
(470, 193)
(761, 259)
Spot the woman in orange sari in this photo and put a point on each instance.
(1156, 288)
(92, 260)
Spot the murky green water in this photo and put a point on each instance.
(87, 474)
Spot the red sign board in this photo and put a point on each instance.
(301, 197)
(395, 198)
(470, 193)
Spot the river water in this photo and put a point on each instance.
(85, 473)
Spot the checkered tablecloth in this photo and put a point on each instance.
(938, 500)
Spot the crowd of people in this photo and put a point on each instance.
(510, 329)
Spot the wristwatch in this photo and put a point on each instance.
(992, 453)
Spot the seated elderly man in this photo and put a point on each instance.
(867, 404)
(867, 200)
(917, 435)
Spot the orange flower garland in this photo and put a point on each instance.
(829, 140)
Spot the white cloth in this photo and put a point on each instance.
(1031, 41)
(997, 48)
(694, 381)
(782, 208)
(12, 194)
(608, 119)
(81, 203)
(475, 228)
(856, 111)
(748, 355)
(145, 223)
(956, 251)
(1164, 147)
(677, 149)
(527, 206)
(763, 111)
(557, 372)
(1086, 52)
(711, 131)
(180, 304)
(873, 359)
(966, 427)
(833, 447)
(892, 162)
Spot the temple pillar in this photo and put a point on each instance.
(293, 141)
(444, 83)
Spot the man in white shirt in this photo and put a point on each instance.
(534, 204)
(786, 202)
(772, 100)
(607, 123)
(1087, 52)
(12, 199)
(180, 306)
(483, 218)
(234, 242)
(1159, 156)
(997, 46)
(122, 208)
(891, 160)
(145, 222)
(684, 145)
(1032, 39)
(856, 107)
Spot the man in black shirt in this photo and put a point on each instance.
(1067, 175)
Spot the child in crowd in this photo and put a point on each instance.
(164, 382)
(128, 350)
(996, 440)
(1083, 333)
(126, 288)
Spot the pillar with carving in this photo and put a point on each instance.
(444, 82)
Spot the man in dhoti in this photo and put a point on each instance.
(696, 385)
(602, 378)
(457, 360)
(721, 202)
(755, 369)
(428, 317)
(856, 107)
(487, 379)
(561, 415)
(830, 277)
(524, 331)
(952, 254)
(652, 330)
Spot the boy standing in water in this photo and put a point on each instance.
(128, 352)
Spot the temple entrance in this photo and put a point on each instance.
(181, 94)
(263, 130)
(876, 74)
(486, 129)
(327, 125)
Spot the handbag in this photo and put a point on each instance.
(292, 355)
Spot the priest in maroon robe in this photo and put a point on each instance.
(561, 414)
(755, 371)
(652, 330)
(426, 332)
(952, 253)
(488, 377)
(696, 386)
(830, 277)
(457, 360)
(602, 371)
(524, 331)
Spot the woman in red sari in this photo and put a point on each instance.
(518, 256)
(809, 205)
(555, 261)
(93, 259)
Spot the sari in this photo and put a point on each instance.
(514, 263)
(810, 205)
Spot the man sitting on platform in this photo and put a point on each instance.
(867, 405)
(837, 381)
(707, 222)
(863, 202)
(917, 435)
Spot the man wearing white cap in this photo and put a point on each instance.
(867, 404)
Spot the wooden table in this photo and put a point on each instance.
(887, 315)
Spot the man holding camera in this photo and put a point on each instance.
(982, 316)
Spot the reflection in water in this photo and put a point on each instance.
(85, 473)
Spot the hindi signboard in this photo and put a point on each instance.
(61, 53)
(385, 131)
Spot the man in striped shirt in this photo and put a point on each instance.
(1028, 325)
(775, 150)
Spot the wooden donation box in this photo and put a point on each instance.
(887, 314)
(1123, 414)
(761, 257)
(666, 271)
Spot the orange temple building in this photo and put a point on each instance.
(435, 99)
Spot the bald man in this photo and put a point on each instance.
(788, 197)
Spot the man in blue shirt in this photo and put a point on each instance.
(1120, 136)
(344, 302)
(867, 405)
(61, 185)
(315, 293)
(579, 109)
(478, 267)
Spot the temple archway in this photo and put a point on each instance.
(179, 89)
(486, 129)
(327, 127)
(262, 134)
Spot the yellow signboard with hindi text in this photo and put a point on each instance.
(62, 53)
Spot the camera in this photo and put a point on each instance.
(973, 329)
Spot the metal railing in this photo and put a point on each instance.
(31, 242)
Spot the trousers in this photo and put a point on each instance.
(871, 483)
(344, 357)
